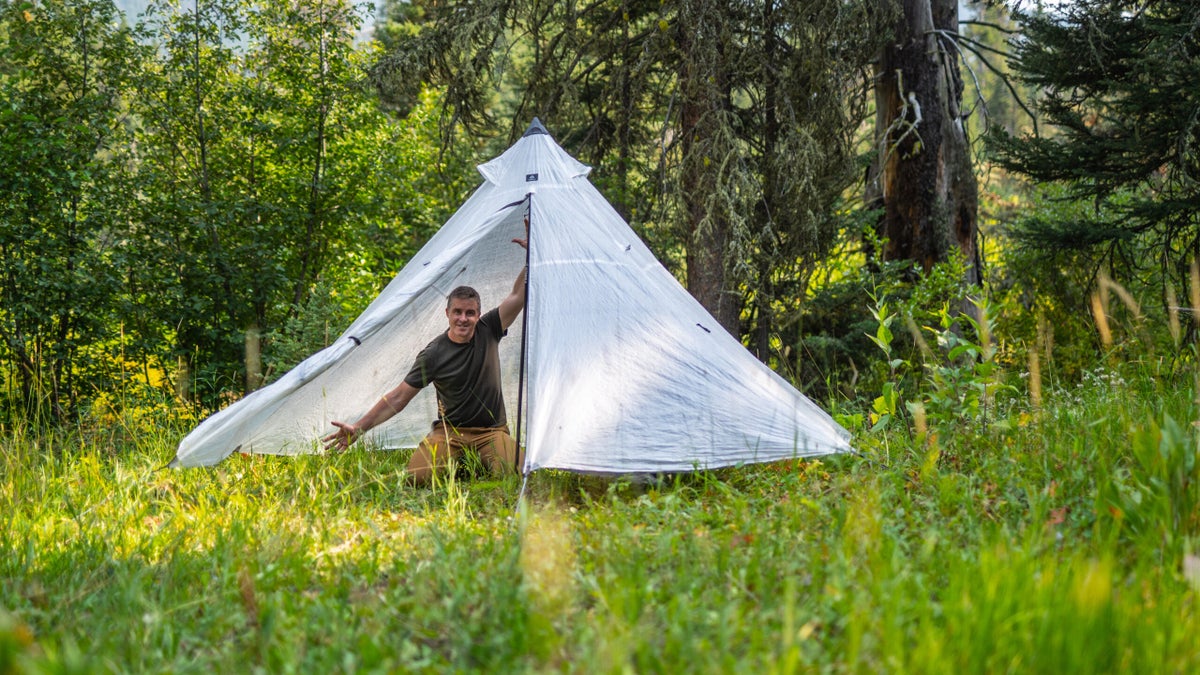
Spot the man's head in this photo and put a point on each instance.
(462, 310)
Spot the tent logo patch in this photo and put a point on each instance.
(530, 177)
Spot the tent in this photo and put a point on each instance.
(624, 371)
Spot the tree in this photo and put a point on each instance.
(1120, 83)
(63, 67)
(922, 177)
(190, 295)
(995, 98)
(263, 162)
(722, 130)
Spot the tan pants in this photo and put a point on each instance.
(494, 445)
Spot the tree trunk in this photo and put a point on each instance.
(704, 95)
(922, 175)
(314, 244)
(254, 371)
(764, 324)
(183, 377)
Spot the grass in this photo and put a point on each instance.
(1053, 540)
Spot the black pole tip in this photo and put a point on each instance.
(535, 127)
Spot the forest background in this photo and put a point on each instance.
(199, 195)
(968, 231)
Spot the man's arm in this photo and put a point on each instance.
(392, 403)
(512, 305)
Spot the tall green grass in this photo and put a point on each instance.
(1040, 540)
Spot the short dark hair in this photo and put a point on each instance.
(464, 293)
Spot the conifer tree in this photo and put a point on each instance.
(723, 131)
(1120, 82)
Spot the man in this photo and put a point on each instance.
(464, 366)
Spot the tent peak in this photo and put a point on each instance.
(535, 127)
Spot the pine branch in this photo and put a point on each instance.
(988, 24)
(969, 46)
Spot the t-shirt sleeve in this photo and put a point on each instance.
(421, 373)
(492, 321)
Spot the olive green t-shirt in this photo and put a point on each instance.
(466, 376)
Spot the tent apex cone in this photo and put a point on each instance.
(535, 127)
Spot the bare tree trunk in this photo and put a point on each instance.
(922, 175)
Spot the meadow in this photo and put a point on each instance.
(1055, 538)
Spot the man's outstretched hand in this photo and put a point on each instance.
(343, 438)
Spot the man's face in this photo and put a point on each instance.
(463, 315)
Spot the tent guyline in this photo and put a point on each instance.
(615, 366)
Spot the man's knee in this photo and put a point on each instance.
(502, 454)
(428, 459)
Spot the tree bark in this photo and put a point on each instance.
(922, 176)
(704, 95)
(183, 377)
(254, 371)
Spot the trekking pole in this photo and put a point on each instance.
(524, 330)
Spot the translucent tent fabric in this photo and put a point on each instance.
(625, 371)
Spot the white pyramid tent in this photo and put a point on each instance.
(625, 371)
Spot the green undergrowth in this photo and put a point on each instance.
(1059, 539)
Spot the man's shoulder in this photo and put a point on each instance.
(491, 319)
(437, 345)
(428, 362)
